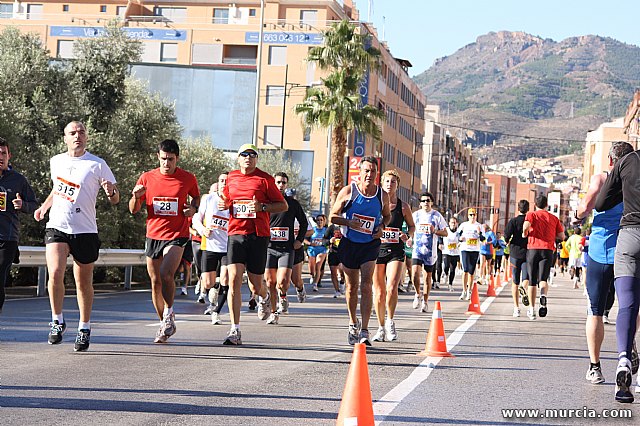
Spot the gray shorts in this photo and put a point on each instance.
(279, 259)
(627, 259)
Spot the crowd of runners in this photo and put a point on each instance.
(250, 225)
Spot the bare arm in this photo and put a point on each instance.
(408, 217)
(589, 201)
(336, 211)
(44, 208)
(526, 227)
(136, 200)
(386, 210)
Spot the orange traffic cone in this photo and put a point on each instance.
(356, 407)
(474, 303)
(491, 291)
(506, 275)
(436, 339)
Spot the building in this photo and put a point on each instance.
(203, 56)
(502, 200)
(596, 151)
(632, 118)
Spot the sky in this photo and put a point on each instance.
(424, 30)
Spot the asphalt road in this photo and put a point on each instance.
(294, 373)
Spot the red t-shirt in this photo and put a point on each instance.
(543, 231)
(165, 198)
(242, 188)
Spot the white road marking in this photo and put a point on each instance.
(385, 405)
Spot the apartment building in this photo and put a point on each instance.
(596, 150)
(203, 56)
(502, 201)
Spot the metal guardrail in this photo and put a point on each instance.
(35, 257)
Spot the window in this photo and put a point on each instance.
(308, 17)
(174, 14)
(273, 136)
(65, 7)
(6, 11)
(65, 49)
(307, 134)
(220, 16)
(252, 12)
(34, 11)
(206, 53)
(275, 95)
(278, 55)
(237, 54)
(103, 9)
(120, 11)
(168, 52)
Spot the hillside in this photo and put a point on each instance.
(519, 84)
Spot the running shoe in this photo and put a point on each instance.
(169, 324)
(55, 334)
(416, 301)
(401, 288)
(319, 283)
(594, 375)
(160, 336)
(209, 309)
(82, 340)
(274, 317)
(213, 294)
(201, 298)
(543, 306)
(283, 306)
(302, 295)
(264, 307)
(363, 337)
(468, 295)
(531, 314)
(462, 295)
(605, 319)
(183, 291)
(337, 294)
(390, 328)
(233, 338)
(516, 312)
(623, 381)
(315, 288)
(424, 306)
(635, 361)
(523, 295)
(437, 284)
(450, 288)
(380, 335)
(252, 303)
(354, 332)
(215, 318)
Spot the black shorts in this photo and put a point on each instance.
(279, 258)
(197, 255)
(212, 261)
(187, 254)
(354, 255)
(298, 256)
(387, 254)
(333, 259)
(250, 250)
(155, 248)
(84, 248)
(427, 268)
(488, 257)
(564, 261)
(519, 270)
(539, 264)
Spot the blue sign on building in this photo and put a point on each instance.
(135, 33)
(284, 38)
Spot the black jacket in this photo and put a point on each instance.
(12, 183)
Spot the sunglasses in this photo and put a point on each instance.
(281, 181)
(249, 154)
(471, 214)
(426, 200)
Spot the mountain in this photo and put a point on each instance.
(513, 83)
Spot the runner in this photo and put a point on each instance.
(358, 208)
(298, 254)
(16, 195)
(499, 247)
(280, 251)
(212, 224)
(388, 270)
(429, 225)
(469, 233)
(252, 195)
(164, 192)
(599, 276)
(564, 255)
(486, 254)
(451, 251)
(317, 251)
(518, 257)
(542, 229)
(437, 269)
(77, 177)
(574, 245)
(334, 235)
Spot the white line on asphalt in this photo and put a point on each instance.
(385, 405)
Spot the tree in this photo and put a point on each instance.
(336, 105)
(275, 160)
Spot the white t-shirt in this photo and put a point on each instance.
(209, 216)
(471, 232)
(422, 219)
(451, 243)
(76, 184)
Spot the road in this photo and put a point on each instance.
(294, 373)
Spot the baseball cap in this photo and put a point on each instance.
(290, 192)
(247, 147)
(471, 211)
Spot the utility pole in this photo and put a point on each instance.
(258, 75)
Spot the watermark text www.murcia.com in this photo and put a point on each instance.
(566, 413)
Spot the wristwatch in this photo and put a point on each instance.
(113, 193)
(264, 207)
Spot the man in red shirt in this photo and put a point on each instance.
(541, 229)
(165, 191)
(251, 195)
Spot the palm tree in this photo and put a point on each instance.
(336, 105)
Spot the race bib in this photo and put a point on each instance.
(165, 206)
(3, 201)
(66, 190)
(316, 242)
(280, 234)
(390, 236)
(241, 209)
(219, 223)
(472, 242)
(424, 228)
(366, 223)
(452, 246)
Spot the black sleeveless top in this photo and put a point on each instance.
(397, 219)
